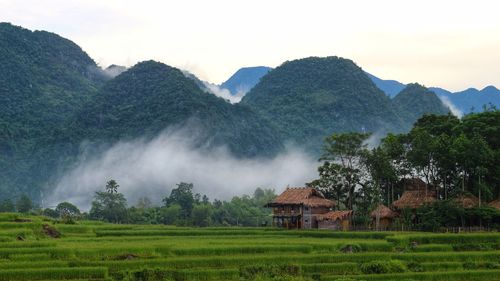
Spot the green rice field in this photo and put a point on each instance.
(92, 250)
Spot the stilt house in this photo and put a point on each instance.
(298, 208)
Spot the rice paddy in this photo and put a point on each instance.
(98, 251)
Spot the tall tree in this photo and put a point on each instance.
(109, 205)
(347, 150)
(182, 196)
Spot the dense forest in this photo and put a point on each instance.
(308, 99)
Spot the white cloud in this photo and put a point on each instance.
(454, 110)
(224, 93)
(152, 168)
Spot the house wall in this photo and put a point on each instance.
(343, 225)
(306, 216)
(288, 216)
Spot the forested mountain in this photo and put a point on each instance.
(245, 79)
(152, 96)
(310, 98)
(415, 100)
(44, 79)
(53, 97)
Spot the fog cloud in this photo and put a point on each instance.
(454, 110)
(152, 167)
(224, 93)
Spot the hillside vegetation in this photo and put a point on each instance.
(309, 99)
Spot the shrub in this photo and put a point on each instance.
(379, 267)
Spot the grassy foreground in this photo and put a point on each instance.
(100, 251)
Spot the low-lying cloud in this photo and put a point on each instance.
(454, 110)
(152, 168)
(224, 93)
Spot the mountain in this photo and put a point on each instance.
(470, 100)
(152, 96)
(415, 100)
(54, 98)
(44, 79)
(114, 70)
(244, 79)
(390, 87)
(309, 99)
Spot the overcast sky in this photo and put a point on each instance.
(451, 44)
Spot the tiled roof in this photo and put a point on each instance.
(334, 215)
(302, 196)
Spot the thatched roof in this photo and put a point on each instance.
(302, 196)
(466, 201)
(495, 204)
(414, 198)
(413, 184)
(383, 212)
(334, 215)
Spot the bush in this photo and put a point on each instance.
(379, 267)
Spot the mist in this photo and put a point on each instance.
(152, 168)
(454, 110)
(224, 93)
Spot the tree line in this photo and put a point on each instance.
(455, 157)
(182, 207)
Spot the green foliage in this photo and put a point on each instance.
(182, 196)
(110, 205)
(379, 267)
(24, 204)
(309, 99)
(7, 206)
(415, 101)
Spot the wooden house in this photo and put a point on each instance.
(382, 217)
(335, 220)
(416, 195)
(298, 208)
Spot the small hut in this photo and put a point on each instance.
(335, 220)
(495, 204)
(385, 216)
(299, 207)
(466, 201)
(416, 195)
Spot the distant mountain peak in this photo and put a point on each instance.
(114, 70)
(490, 88)
(244, 79)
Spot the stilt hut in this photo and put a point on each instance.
(466, 201)
(298, 208)
(382, 217)
(495, 204)
(335, 220)
(416, 195)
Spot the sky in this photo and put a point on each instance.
(450, 44)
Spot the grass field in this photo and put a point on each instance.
(99, 251)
